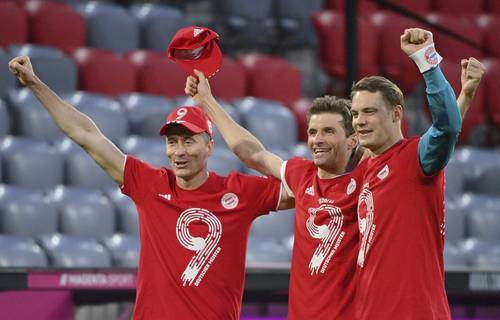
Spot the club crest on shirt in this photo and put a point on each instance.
(229, 200)
(383, 173)
(351, 187)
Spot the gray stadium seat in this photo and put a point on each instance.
(127, 217)
(51, 65)
(473, 247)
(4, 120)
(294, 21)
(146, 113)
(454, 256)
(158, 24)
(301, 150)
(30, 118)
(18, 251)
(483, 221)
(264, 251)
(270, 121)
(454, 171)
(151, 150)
(124, 250)
(277, 225)
(488, 181)
(74, 252)
(454, 223)
(104, 111)
(84, 212)
(29, 163)
(80, 169)
(7, 79)
(475, 161)
(223, 161)
(26, 212)
(110, 26)
(489, 257)
(279, 151)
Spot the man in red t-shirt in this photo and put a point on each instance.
(194, 224)
(401, 204)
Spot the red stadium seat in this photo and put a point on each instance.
(364, 6)
(476, 114)
(330, 29)
(490, 24)
(156, 74)
(55, 24)
(415, 6)
(272, 78)
(231, 80)
(13, 24)
(394, 62)
(299, 109)
(453, 49)
(460, 7)
(493, 6)
(491, 82)
(104, 72)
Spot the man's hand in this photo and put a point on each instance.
(198, 88)
(415, 39)
(472, 72)
(21, 67)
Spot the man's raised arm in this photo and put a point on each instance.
(472, 72)
(76, 125)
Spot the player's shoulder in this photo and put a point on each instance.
(241, 180)
(298, 164)
(145, 168)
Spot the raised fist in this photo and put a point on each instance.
(21, 67)
(415, 39)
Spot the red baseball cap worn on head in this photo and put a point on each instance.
(196, 48)
(192, 118)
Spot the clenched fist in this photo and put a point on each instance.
(415, 39)
(22, 68)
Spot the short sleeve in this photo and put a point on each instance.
(264, 192)
(138, 176)
(292, 173)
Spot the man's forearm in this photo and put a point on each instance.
(463, 101)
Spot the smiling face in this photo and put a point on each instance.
(188, 152)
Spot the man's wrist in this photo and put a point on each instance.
(426, 58)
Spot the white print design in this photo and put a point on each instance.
(229, 201)
(351, 187)
(327, 233)
(365, 220)
(383, 173)
(196, 32)
(205, 248)
(181, 113)
(310, 191)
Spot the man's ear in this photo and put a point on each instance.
(397, 114)
(352, 141)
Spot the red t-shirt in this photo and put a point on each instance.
(193, 242)
(401, 220)
(322, 278)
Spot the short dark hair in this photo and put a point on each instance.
(389, 90)
(332, 104)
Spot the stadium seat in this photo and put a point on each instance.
(21, 252)
(451, 49)
(472, 247)
(127, 217)
(158, 24)
(7, 79)
(330, 28)
(106, 112)
(395, 64)
(26, 212)
(4, 120)
(110, 27)
(247, 23)
(419, 7)
(299, 109)
(75, 252)
(151, 150)
(294, 22)
(13, 24)
(479, 163)
(223, 161)
(104, 72)
(364, 6)
(459, 7)
(124, 250)
(146, 113)
(84, 212)
(476, 113)
(57, 70)
(491, 84)
(271, 122)
(55, 24)
(80, 168)
(156, 74)
(454, 223)
(455, 179)
(454, 256)
(30, 118)
(483, 222)
(32, 164)
(493, 6)
(263, 74)
(489, 257)
(490, 24)
(230, 82)
(267, 251)
(277, 225)
(301, 150)
(488, 180)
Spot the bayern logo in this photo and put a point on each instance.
(431, 56)
(229, 201)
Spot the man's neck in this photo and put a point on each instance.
(387, 145)
(192, 182)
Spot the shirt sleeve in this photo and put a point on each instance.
(438, 142)
(264, 192)
(137, 177)
(292, 173)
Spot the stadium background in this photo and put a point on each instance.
(63, 220)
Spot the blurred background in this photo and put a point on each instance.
(69, 241)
